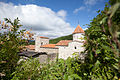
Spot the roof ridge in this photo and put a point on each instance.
(63, 42)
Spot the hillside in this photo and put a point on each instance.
(54, 41)
(31, 42)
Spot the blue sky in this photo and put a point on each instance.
(69, 12)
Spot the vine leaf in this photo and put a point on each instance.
(114, 9)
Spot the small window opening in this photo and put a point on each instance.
(41, 43)
(75, 47)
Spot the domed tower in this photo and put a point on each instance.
(78, 34)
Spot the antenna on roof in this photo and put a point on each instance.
(78, 22)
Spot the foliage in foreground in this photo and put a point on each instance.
(103, 46)
(32, 69)
(11, 40)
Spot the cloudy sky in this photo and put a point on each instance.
(51, 18)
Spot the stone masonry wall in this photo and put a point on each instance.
(48, 50)
(40, 41)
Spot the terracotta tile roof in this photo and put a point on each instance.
(78, 30)
(44, 37)
(49, 46)
(31, 47)
(63, 42)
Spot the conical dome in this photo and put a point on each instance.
(78, 30)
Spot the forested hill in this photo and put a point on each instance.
(54, 41)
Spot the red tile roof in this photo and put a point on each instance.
(31, 47)
(78, 30)
(49, 46)
(63, 42)
(44, 37)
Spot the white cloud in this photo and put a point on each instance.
(62, 13)
(90, 2)
(42, 20)
(79, 9)
(87, 3)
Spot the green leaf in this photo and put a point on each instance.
(97, 63)
(116, 67)
(98, 51)
(70, 78)
(106, 47)
(104, 20)
(114, 8)
(75, 76)
(65, 77)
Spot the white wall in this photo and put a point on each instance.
(77, 36)
(65, 52)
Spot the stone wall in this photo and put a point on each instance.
(43, 58)
(48, 50)
(40, 41)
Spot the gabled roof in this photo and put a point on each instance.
(44, 37)
(78, 30)
(49, 46)
(63, 43)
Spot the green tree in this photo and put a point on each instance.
(103, 46)
(11, 38)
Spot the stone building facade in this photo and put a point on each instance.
(39, 41)
(64, 48)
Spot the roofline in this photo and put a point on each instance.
(78, 32)
(78, 41)
(49, 47)
(43, 37)
(62, 45)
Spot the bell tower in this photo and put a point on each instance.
(78, 34)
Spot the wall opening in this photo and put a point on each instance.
(41, 43)
(75, 47)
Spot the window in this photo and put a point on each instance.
(75, 47)
(41, 43)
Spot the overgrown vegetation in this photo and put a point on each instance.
(11, 42)
(9, 46)
(102, 61)
(32, 69)
(102, 45)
